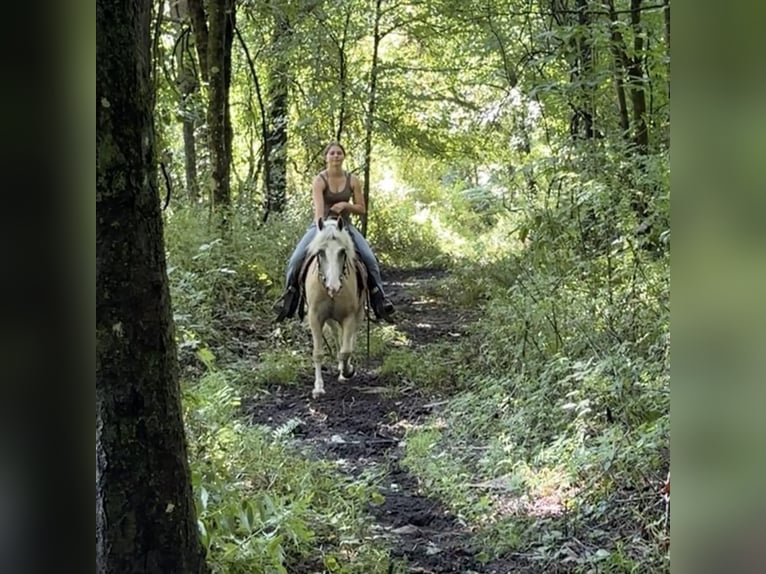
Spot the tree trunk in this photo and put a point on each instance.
(187, 86)
(275, 152)
(636, 78)
(145, 514)
(254, 166)
(190, 157)
(620, 66)
(666, 14)
(585, 70)
(220, 36)
(199, 25)
(343, 78)
(214, 33)
(371, 114)
(583, 112)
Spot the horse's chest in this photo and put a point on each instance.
(337, 308)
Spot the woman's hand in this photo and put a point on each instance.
(339, 207)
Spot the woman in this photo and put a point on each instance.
(333, 188)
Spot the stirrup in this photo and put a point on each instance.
(381, 305)
(285, 304)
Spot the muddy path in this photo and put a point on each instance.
(360, 425)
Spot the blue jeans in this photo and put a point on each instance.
(362, 247)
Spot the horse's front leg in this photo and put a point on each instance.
(316, 335)
(348, 340)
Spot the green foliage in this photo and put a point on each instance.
(566, 404)
(280, 367)
(383, 338)
(400, 239)
(218, 279)
(261, 506)
(405, 366)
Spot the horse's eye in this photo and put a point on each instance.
(320, 253)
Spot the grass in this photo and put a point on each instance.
(264, 506)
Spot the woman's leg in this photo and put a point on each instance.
(286, 304)
(381, 305)
(299, 253)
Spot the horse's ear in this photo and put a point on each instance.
(320, 223)
(341, 224)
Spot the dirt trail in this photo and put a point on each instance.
(360, 424)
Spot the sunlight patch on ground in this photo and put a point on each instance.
(548, 493)
(391, 335)
(408, 426)
(539, 507)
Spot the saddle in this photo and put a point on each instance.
(361, 282)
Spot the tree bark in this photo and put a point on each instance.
(145, 514)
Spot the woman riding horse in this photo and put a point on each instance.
(333, 188)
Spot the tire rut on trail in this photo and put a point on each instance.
(360, 425)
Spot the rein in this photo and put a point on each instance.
(367, 313)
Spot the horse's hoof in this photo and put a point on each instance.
(316, 393)
(346, 375)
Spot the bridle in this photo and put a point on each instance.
(345, 268)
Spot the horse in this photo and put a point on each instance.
(334, 294)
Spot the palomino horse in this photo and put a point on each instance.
(333, 295)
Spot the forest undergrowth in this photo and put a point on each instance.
(534, 412)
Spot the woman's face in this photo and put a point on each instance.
(335, 155)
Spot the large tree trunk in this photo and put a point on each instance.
(145, 515)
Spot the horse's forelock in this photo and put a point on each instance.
(331, 232)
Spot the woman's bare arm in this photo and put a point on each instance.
(318, 195)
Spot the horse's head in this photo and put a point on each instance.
(335, 254)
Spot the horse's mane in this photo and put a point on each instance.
(330, 232)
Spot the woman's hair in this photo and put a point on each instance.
(331, 145)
